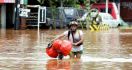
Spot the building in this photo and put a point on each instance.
(6, 13)
(126, 9)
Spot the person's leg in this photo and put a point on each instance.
(72, 55)
(79, 54)
(60, 56)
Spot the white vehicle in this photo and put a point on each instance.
(105, 18)
(108, 19)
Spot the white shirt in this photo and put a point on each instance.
(77, 35)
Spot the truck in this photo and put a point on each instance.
(59, 17)
(112, 10)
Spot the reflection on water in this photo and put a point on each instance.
(58, 64)
(54, 64)
(103, 50)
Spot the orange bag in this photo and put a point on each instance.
(51, 52)
(66, 47)
(59, 46)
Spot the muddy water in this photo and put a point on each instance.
(103, 50)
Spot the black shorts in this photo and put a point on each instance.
(77, 52)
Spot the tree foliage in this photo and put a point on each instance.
(57, 3)
(65, 3)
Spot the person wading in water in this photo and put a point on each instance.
(76, 37)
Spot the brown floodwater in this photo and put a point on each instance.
(103, 50)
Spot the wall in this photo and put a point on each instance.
(126, 9)
(0, 16)
(7, 1)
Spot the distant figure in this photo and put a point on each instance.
(76, 37)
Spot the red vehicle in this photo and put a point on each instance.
(112, 9)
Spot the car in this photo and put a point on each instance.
(107, 18)
(63, 16)
(56, 18)
(72, 14)
(122, 22)
(104, 18)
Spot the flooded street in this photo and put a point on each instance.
(103, 50)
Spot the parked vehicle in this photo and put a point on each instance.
(108, 19)
(112, 9)
(104, 18)
(123, 23)
(73, 13)
(55, 17)
(65, 16)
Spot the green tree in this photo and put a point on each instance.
(66, 3)
(41, 1)
(57, 3)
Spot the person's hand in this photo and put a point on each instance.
(75, 44)
(52, 40)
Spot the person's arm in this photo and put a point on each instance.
(60, 36)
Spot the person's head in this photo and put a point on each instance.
(73, 26)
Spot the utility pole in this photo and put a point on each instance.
(119, 7)
(17, 22)
(106, 10)
(61, 2)
(3, 16)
